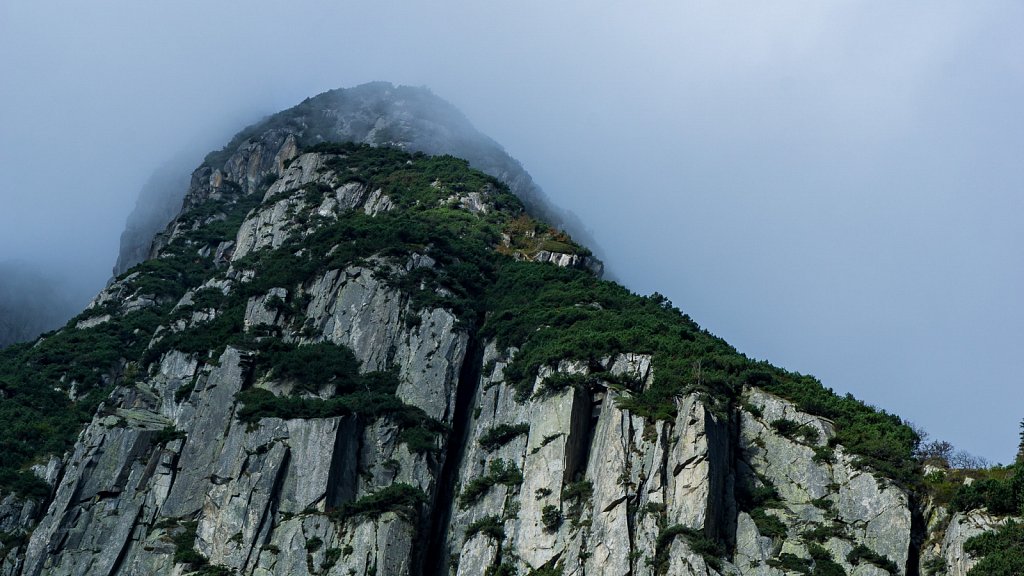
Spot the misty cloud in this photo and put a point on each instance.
(832, 186)
(30, 303)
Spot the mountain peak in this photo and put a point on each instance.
(376, 113)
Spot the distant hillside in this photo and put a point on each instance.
(30, 303)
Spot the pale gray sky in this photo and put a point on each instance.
(834, 186)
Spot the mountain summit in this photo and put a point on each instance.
(351, 359)
(378, 114)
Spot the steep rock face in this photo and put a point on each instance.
(642, 480)
(944, 552)
(417, 446)
(823, 498)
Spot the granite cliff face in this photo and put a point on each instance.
(325, 377)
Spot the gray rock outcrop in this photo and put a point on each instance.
(379, 114)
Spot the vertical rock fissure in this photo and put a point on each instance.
(435, 561)
(918, 535)
(122, 553)
(269, 513)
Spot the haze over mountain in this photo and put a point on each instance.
(832, 186)
(378, 114)
(30, 302)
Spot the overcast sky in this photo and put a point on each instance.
(837, 187)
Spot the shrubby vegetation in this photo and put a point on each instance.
(710, 550)
(551, 314)
(554, 313)
(999, 490)
(862, 553)
(1001, 552)
(498, 472)
(491, 526)
(402, 499)
(418, 431)
(795, 430)
(39, 417)
(756, 499)
(819, 564)
(494, 438)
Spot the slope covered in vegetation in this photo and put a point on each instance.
(49, 389)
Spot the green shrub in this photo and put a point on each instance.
(936, 566)
(498, 436)
(824, 565)
(166, 436)
(311, 366)
(184, 546)
(499, 472)
(1001, 491)
(314, 544)
(823, 533)
(551, 517)
(402, 499)
(767, 524)
(709, 549)
(503, 569)
(760, 494)
(791, 563)
(417, 429)
(795, 430)
(578, 495)
(491, 526)
(862, 553)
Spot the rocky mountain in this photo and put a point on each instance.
(378, 114)
(343, 359)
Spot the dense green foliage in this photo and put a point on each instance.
(820, 563)
(556, 313)
(38, 416)
(1001, 552)
(313, 366)
(795, 430)
(551, 517)
(756, 500)
(1000, 490)
(418, 430)
(184, 546)
(768, 524)
(824, 564)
